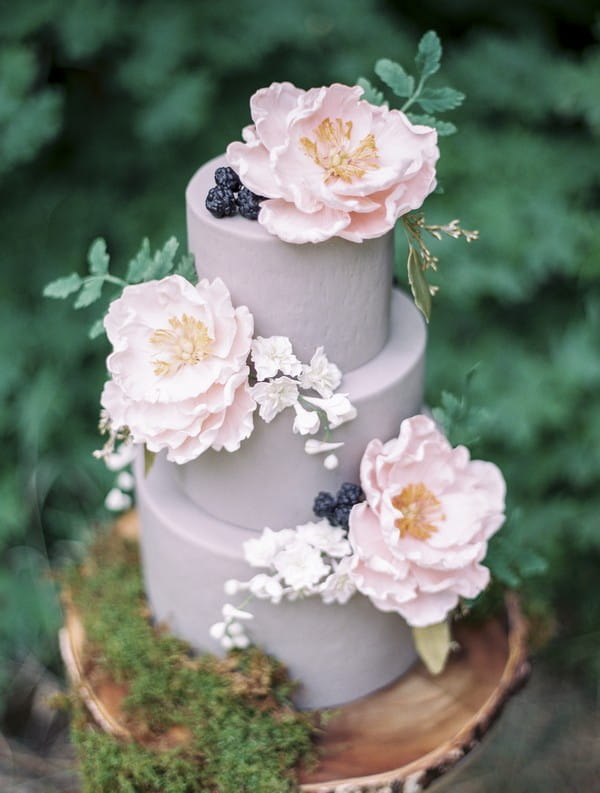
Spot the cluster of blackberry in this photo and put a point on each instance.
(337, 508)
(230, 197)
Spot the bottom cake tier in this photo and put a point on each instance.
(338, 653)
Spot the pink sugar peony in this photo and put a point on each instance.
(179, 373)
(332, 164)
(421, 534)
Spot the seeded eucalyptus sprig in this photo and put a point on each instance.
(145, 266)
(415, 93)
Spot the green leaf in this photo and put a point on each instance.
(433, 645)
(393, 75)
(91, 291)
(443, 127)
(140, 263)
(440, 99)
(98, 258)
(149, 458)
(97, 329)
(429, 54)
(187, 269)
(163, 262)
(418, 284)
(371, 94)
(63, 287)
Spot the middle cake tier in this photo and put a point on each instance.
(271, 481)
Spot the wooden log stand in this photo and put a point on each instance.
(397, 740)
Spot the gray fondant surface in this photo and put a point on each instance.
(271, 481)
(335, 294)
(338, 653)
(195, 518)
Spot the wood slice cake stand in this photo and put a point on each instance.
(397, 740)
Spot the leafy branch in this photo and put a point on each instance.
(413, 90)
(415, 93)
(145, 266)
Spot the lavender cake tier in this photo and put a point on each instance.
(335, 294)
(338, 652)
(271, 481)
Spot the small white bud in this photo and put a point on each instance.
(241, 641)
(226, 642)
(125, 481)
(217, 631)
(313, 446)
(117, 501)
(230, 612)
(235, 629)
(331, 462)
(232, 587)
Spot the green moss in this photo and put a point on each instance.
(243, 733)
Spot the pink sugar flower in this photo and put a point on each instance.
(421, 535)
(178, 366)
(331, 164)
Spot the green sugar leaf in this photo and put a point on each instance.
(98, 258)
(418, 284)
(140, 263)
(371, 94)
(393, 75)
(429, 54)
(433, 645)
(163, 262)
(443, 127)
(63, 287)
(187, 269)
(90, 292)
(97, 329)
(440, 99)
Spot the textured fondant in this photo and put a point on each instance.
(271, 481)
(338, 652)
(335, 294)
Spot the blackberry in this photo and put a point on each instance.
(220, 202)
(226, 177)
(249, 203)
(341, 514)
(349, 494)
(323, 506)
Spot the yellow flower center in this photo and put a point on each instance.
(419, 508)
(185, 343)
(331, 150)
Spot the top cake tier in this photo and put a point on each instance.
(335, 294)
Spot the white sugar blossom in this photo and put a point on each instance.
(266, 587)
(272, 355)
(261, 551)
(307, 422)
(339, 586)
(117, 501)
(331, 462)
(274, 396)
(300, 565)
(321, 375)
(338, 408)
(121, 457)
(325, 538)
(313, 446)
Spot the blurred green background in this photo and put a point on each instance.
(107, 108)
